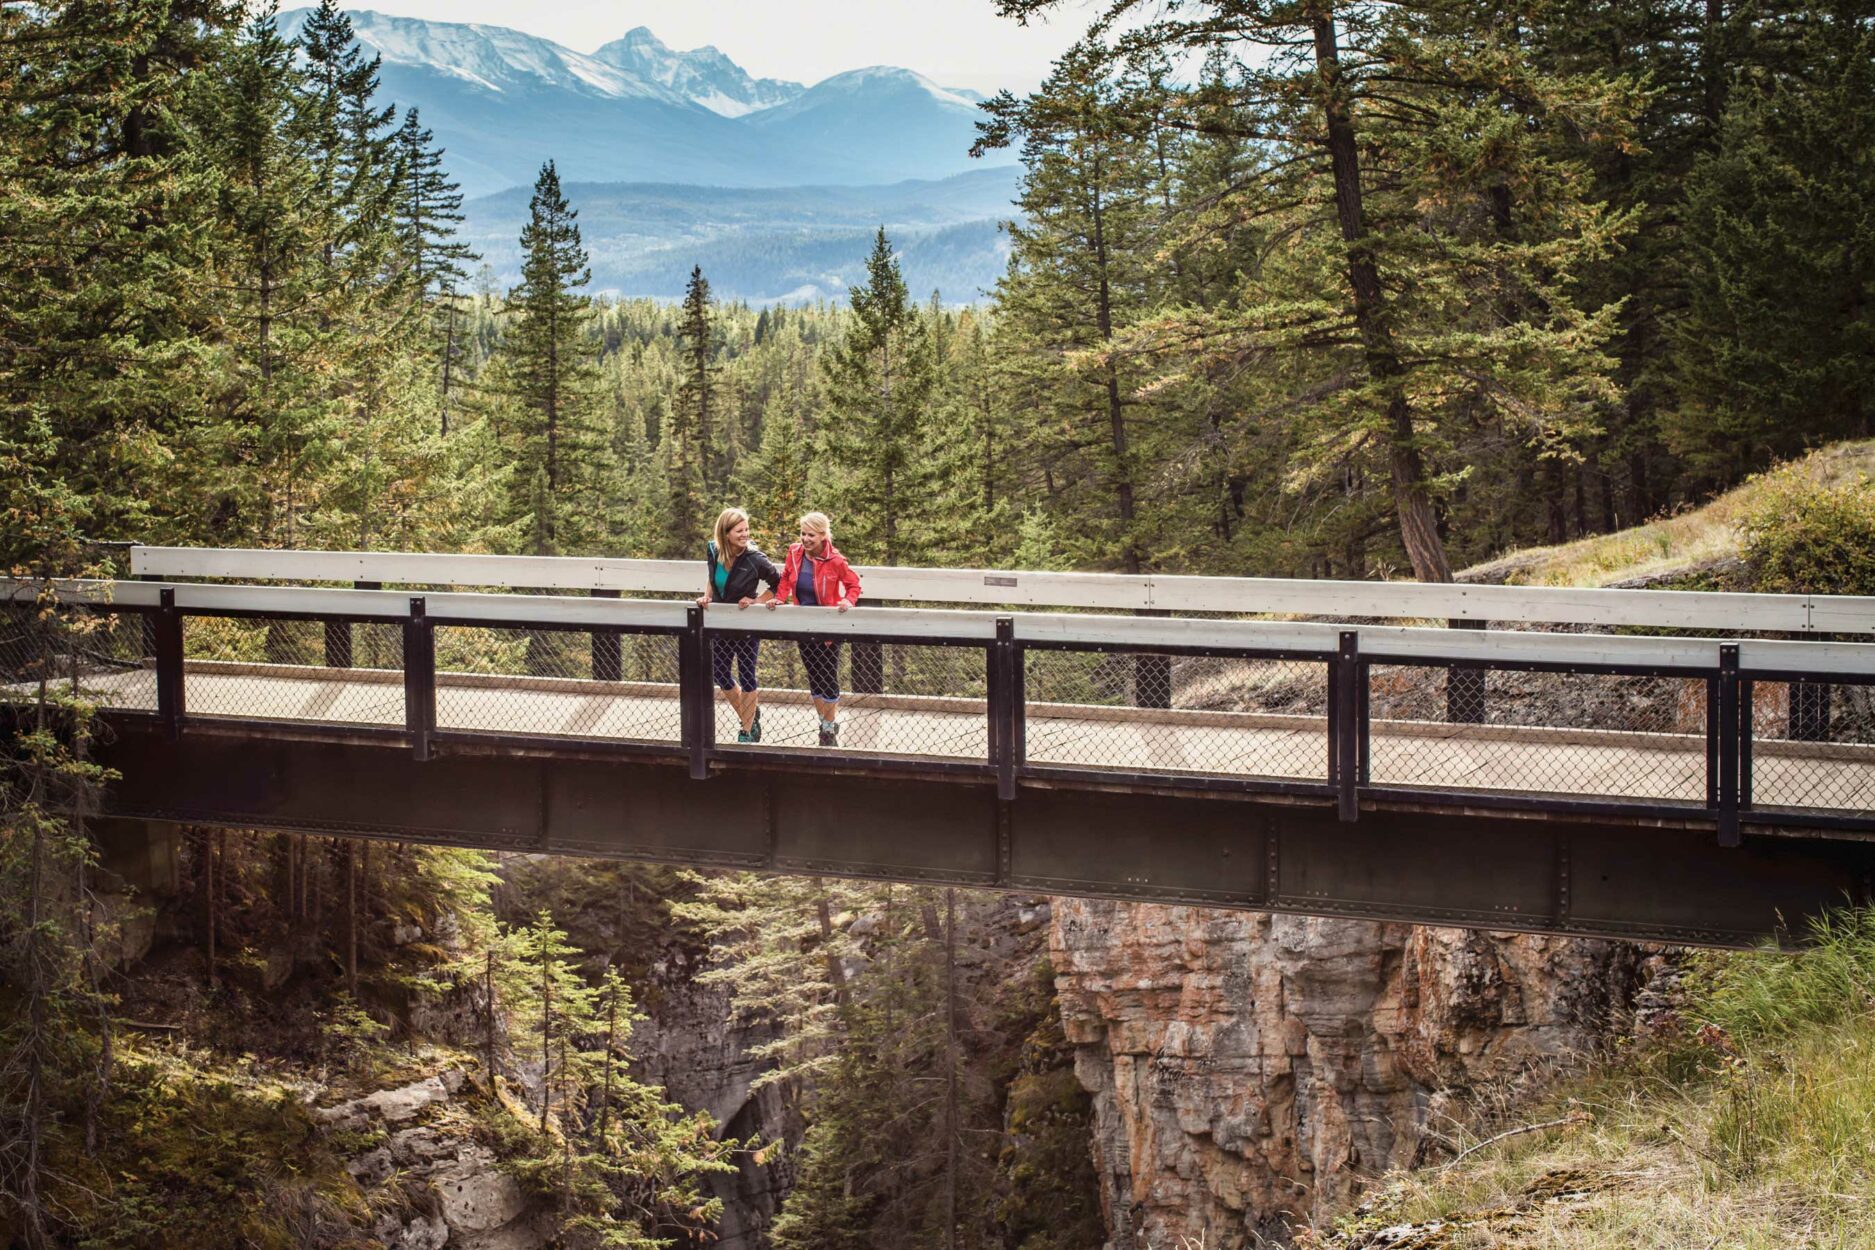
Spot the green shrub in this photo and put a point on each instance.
(1806, 538)
(1761, 995)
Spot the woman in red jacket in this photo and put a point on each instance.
(817, 575)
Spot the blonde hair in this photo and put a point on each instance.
(727, 520)
(818, 522)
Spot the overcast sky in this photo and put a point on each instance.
(960, 43)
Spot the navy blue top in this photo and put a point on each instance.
(804, 584)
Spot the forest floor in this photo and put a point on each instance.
(1672, 547)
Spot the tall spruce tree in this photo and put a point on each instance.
(562, 455)
(879, 380)
(350, 146)
(281, 428)
(695, 452)
(428, 211)
(1078, 276)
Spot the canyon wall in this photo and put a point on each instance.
(1250, 1071)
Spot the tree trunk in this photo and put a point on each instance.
(546, 1032)
(836, 977)
(950, 1069)
(488, 1038)
(348, 866)
(611, 1034)
(1116, 413)
(1419, 528)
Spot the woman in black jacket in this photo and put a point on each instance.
(736, 571)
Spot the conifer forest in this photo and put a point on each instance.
(1355, 291)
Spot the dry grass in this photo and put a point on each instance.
(1752, 1128)
(1681, 543)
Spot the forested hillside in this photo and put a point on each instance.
(1346, 291)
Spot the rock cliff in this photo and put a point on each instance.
(1249, 1071)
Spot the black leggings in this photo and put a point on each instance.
(739, 654)
(822, 662)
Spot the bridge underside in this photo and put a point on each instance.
(1480, 868)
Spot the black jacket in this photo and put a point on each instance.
(751, 569)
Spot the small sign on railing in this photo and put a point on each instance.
(991, 579)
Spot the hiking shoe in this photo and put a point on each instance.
(742, 735)
(829, 735)
(755, 728)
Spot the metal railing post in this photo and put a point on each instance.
(697, 718)
(1730, 717)
(607, 657)
(1005, 688)
(419, 678)
(166, 642)
(148, 626)
(1350, 726)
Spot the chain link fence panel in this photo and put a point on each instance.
(1583, 735)
(102, 657)
(1813, 745)
(280, 668)
(542, 683)
(1213, 715)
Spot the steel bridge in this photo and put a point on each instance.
(1706, 775)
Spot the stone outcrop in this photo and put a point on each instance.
(451, 1190)
(1250, 1071)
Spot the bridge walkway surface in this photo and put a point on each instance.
(1442, 757)
(1711, 779)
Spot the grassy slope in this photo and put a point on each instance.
(1675, 545)
(1749, 1123)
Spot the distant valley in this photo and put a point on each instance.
(770, 244)
(676, 159)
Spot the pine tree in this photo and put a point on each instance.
(1775, 350)
(1077, 277)
(694, 455)
(879, 379)
(428, 210)
(1381, 132)
(562, 455)
(351, 150)
(282, 424)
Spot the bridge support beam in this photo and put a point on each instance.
(1475, 868)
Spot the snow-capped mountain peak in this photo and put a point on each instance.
(493, 57)
(703, 75)
(500, 102)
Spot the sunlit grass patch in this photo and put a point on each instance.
(1752, 1126)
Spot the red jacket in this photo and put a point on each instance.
(834, 578)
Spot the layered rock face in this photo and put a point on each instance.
(1250, 1071)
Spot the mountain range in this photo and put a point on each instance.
(769, 244)
(500, 102)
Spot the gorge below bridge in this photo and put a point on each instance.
(1676, 766)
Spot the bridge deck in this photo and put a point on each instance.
(1490, 757)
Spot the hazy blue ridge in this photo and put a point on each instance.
(771, 243)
